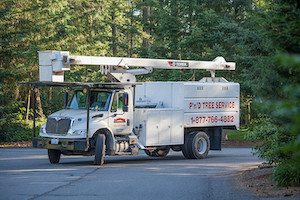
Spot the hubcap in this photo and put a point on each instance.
(202, 146)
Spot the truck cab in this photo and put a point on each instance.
(107, 111)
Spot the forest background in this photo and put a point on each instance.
(261, 36)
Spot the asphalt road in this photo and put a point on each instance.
(26, 174)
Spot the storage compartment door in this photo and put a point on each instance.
(164, 135)
(152, 128)
(164, 127)
(177, 129)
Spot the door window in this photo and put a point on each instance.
(117, 103)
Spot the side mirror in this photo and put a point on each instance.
(66, 98)
(125, 102)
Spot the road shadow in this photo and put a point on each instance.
(120, 160)
(139, 159)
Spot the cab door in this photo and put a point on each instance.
(121, 116)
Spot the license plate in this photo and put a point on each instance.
(54, 141)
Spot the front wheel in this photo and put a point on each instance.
(54, 156)
(99, 150)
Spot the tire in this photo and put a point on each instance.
(198, 145)
(54, 156)
(99, 150)
(159, 152)
(184, 147)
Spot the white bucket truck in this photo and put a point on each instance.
(124, 116)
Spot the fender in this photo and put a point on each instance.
(110, 139)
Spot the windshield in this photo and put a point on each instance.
(99, 100)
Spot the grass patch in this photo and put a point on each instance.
(237, 134)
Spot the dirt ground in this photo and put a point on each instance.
(240, 143)
(15, 144)
(259, 181)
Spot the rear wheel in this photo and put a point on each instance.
(199, 145)
(184, 147)
(196, 145)
(159, 152)
(99, 150)
(54, 156)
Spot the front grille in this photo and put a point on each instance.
(58, 125)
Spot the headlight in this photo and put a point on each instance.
(43, 129)
(78, 132)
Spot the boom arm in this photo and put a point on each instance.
(54, 63)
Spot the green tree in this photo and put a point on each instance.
(277, 75)
(81, 27)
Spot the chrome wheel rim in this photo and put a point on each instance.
(202, 146)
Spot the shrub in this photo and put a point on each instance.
(274, 138)
(287, 173)
(14, 132)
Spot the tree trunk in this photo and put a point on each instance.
(17, 92)
(39, 105)
(131, 35)
(146, 16)
(28, 105)
(249, 111)
(224, 135)
(114, 30)
(114, 41)
(50, 94)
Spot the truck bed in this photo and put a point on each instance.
(205, 104)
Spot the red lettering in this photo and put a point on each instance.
(212, 105)
(199, 105)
